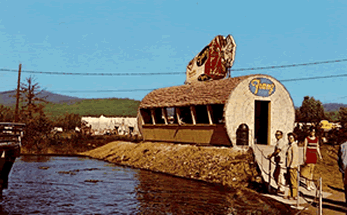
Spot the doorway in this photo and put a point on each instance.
(261, 122)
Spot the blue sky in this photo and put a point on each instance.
(76, 36)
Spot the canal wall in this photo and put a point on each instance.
(222, 165)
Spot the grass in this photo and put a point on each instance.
(328, 169)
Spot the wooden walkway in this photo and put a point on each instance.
(261, 152)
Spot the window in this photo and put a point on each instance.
(201, 114)
(159, 117)
(171, 115)
(185, 115)
(146, 116)
(217, 113)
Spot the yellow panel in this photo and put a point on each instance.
(201, 135)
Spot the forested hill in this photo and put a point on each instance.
(8, 98)
(330, 107)
(65, 104)
(333, 106)
(59, 105)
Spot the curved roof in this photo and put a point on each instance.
(197, 93)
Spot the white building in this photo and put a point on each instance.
(104, 125)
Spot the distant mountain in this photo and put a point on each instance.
(8, 98)
(333, 106)
(84, 107)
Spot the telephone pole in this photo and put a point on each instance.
(17, 96)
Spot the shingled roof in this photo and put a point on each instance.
(197, 93)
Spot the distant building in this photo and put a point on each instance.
(111, 125)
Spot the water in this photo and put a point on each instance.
(73, 185)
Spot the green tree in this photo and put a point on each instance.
(332, 116)
(297, 115)
(38, 125)
(70, 121)
(31, 102)
(343, 117)
(37, 131)
(311, 111)
(6, 114)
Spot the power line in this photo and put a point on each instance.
(291, 65)
(133, 90)
(95, 73)
(317, 77)
(169, 73)
(102, 91)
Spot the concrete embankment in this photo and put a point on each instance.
(222, 165)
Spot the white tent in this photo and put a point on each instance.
(101, 125)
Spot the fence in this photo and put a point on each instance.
(318, 194)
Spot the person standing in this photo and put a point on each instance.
(311, 149)
(279, 154)
(342, 162)
(292, 163)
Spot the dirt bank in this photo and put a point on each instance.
(221, 165)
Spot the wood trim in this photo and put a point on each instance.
(141, 118)
(209, 113)
(177, 110)
(164, 114)
(269, 123)
(152, 115)
(193, 113)
(175, 125)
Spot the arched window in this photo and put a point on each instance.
(242, 135)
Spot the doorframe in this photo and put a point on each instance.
(268, 129)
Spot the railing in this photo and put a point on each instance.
(318, 183)
(10, 134)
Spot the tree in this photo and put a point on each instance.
(6, 114)
(297, 115)
(32, 103)
(70, 121)
(38, 125)
(37, 130)
(332, 116)
(311, 111)
(343, 117)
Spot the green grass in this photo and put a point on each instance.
(95, 107)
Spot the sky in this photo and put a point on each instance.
(137, 36)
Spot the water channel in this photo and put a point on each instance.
(75, 185)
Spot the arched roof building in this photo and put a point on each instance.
(233, 111)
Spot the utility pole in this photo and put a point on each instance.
(17, 96)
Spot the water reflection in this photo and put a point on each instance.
(30, 158)
(69, 185)
(163, 194)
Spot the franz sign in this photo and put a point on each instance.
(262, 87)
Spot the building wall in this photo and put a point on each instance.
(240, 109)
(196, 134)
